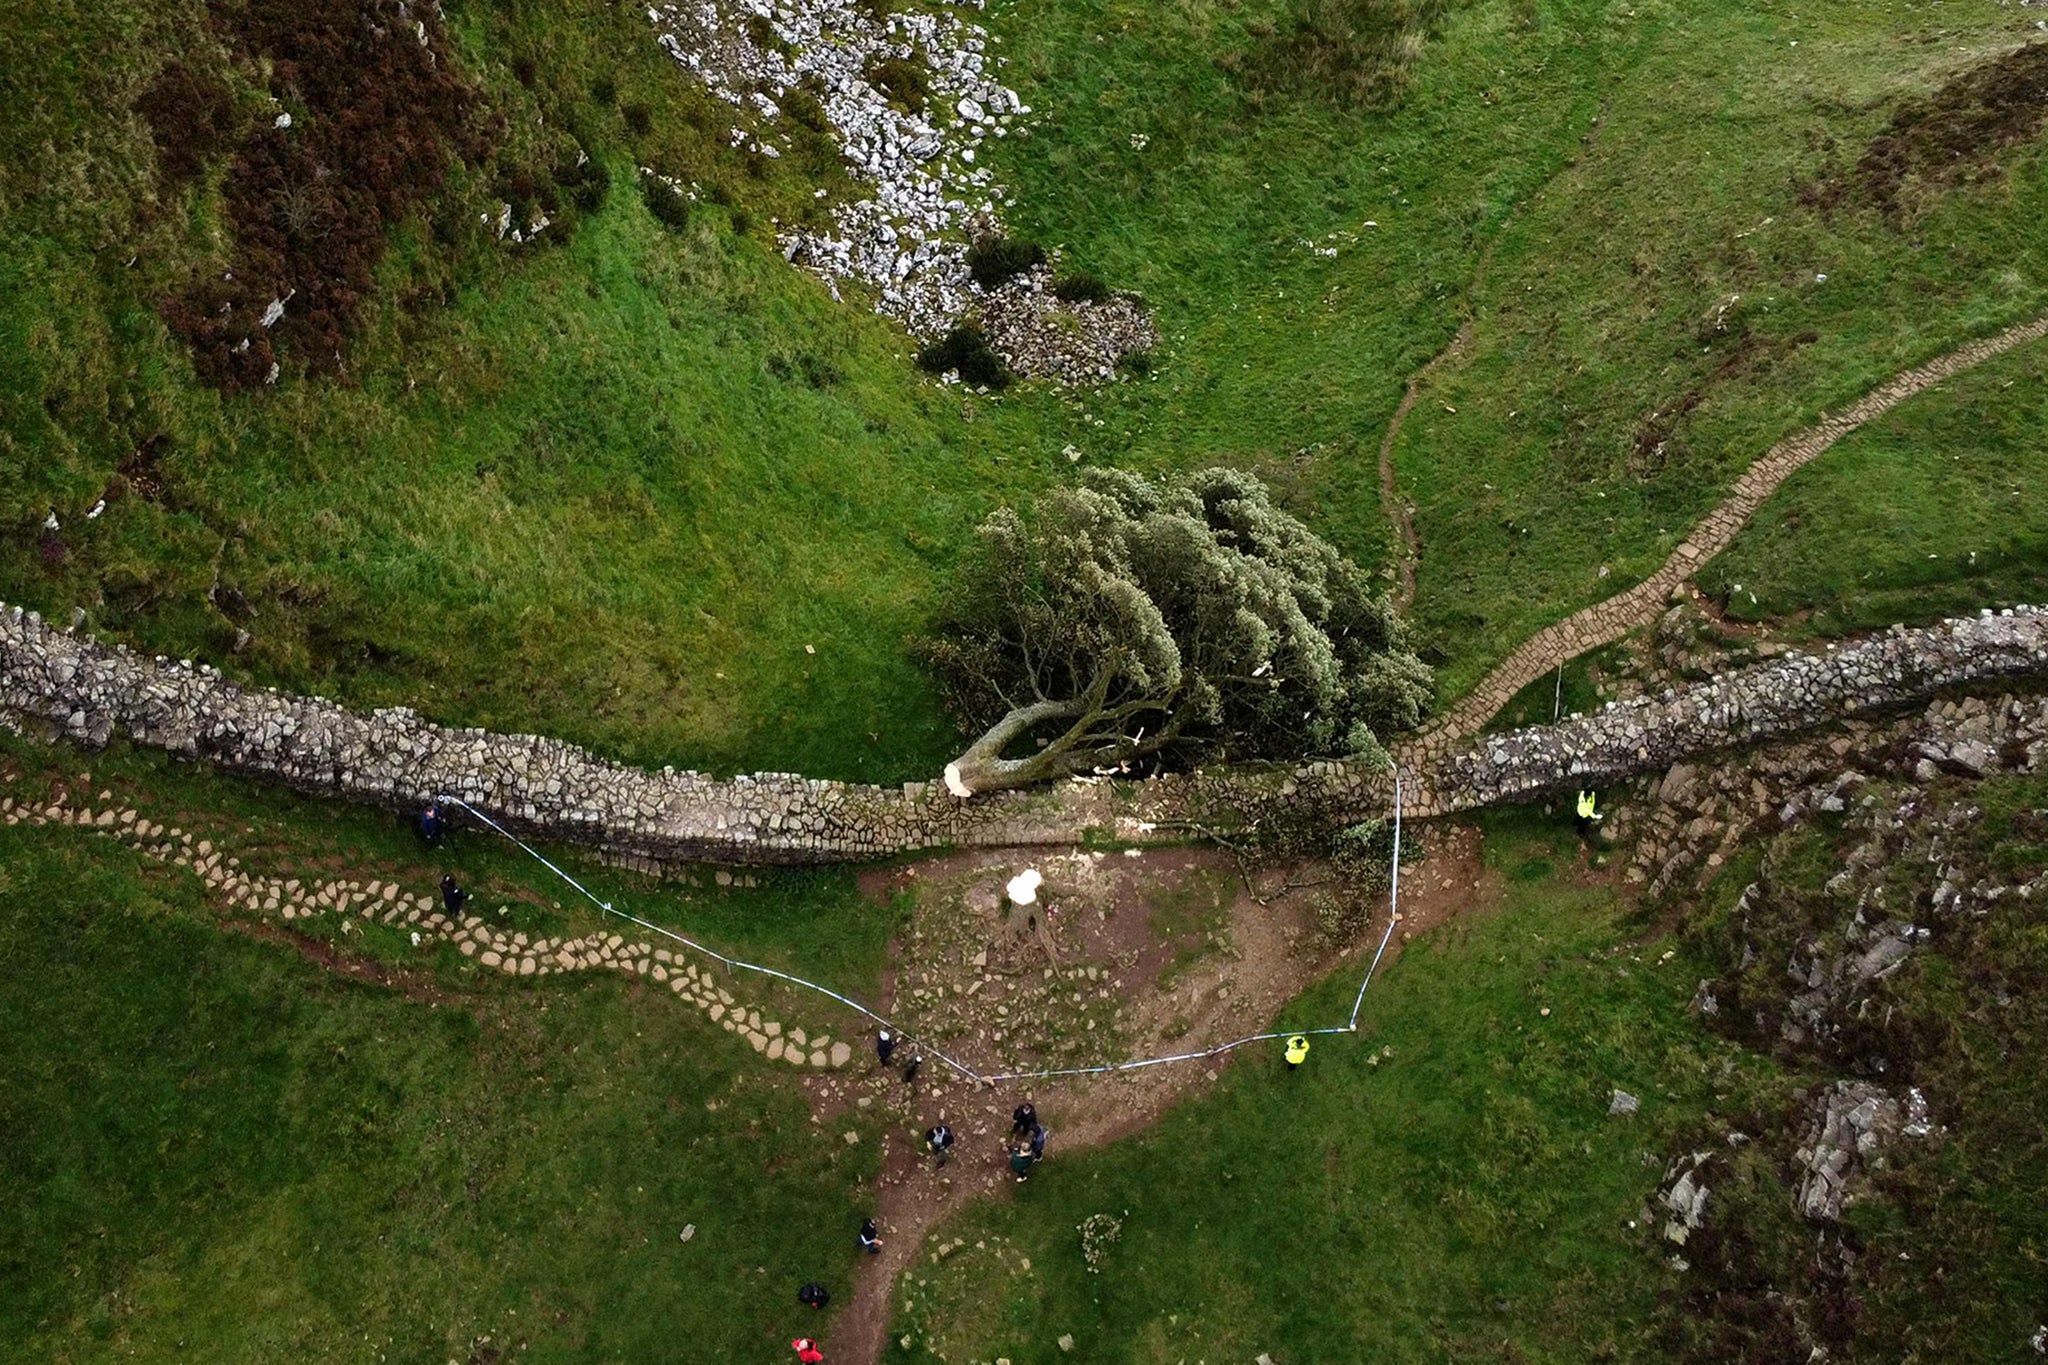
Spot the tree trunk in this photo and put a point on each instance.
(982, 768)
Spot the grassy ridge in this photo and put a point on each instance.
(1690, 199)
(654, 492)
(610, 489)
(214, 1142)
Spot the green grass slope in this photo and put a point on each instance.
(1939, 507)
(1446, 1185)
(217, 1149)
(1622, 172)
(653, 491)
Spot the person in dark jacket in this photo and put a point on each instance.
(454, 897)
(1024, 1120)
(813, 1295)
(1037, 1141)
(432, 826)
(912, 1067)
(938, 1140)
(1021, 1162)
(870, 1236)
(885, 1046)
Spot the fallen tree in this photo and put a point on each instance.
(1132, 619)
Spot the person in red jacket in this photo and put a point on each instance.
(807, 1351)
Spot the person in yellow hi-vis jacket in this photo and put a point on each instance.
(1589, 812)
(1297, 1050)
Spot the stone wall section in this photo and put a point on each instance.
(89, 691)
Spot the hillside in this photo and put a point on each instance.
(638, 377)
(652, 464)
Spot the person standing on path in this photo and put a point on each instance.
(1024, 1120)
(912, 1067)
(1021, 1162)
(938, 1140)
(453, 896)
(1297, 1051)
(870, 1237)
(1037, 1140)
(1589, 813)
(885, 1046)
(807, 1351)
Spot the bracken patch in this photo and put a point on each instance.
(378, 116)
(1956, 136)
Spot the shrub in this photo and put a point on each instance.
(966, 350)
(903, 83)
(814, 369)
(995, 261)
(1356, 53)
(585, 183)
(639, 119)
(310, 206)
(523, 71)
(1180, 619)
(805, 110)
(764, 35)
(191, 117)
(669, 205)
(1081, 287)
(604, 90)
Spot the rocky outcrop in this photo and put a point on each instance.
(912, 96)
(1853, 1123)
(90, 691)
(1689, 822)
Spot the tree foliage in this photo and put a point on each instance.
(1183, 618)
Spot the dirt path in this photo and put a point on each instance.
(1270, 958)
(1606, 622)
(1400, 511)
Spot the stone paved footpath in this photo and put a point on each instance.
(1606, 622)
(297, 900)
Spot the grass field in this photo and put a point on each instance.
(1624, 172)
(1940, 507)
(1448, 1185)
(652, 491)
(812, 921)
(643, 486)
(217, 1141)
(215, 1147)
(224, 1143)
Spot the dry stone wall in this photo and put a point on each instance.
(89, 691)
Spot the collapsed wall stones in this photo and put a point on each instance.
(89, 691)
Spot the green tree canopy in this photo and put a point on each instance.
(1185, 618)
